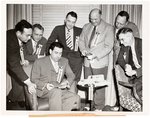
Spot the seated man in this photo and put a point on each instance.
(130, 57)
(35, 48)
(48, 74)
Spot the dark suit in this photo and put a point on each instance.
(43, 72)
(129, 60)
(74, 57)
(28, 49)
(14, 67)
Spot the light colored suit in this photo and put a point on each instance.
(104, 43)
(43, 72)
(102, 48)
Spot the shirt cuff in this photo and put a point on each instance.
(27, 81)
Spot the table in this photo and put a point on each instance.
(91, 84)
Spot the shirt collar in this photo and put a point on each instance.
(20, 42)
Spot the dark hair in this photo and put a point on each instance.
(123, 30)
(21, 25)
(38, 26)
(56, 44)
(72, 13)
(124, 13)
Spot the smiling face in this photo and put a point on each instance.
(25, 35)
(126, 39)
(56, 54)
(37, 34)
(95, 18)
(70, 21)
(120, 21)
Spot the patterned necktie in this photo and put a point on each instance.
(34, 47)
(92, 36)
(22, 53)
(69, 41)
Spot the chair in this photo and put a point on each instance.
(127, 96)
(35, 103)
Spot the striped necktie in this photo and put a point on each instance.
(69, 41)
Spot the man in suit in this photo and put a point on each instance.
(15, 38)
(36, 46)
(122, 20)
(130, 57)
(68, 34)
(96, 42)
(48, 74)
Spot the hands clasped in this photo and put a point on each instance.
(129, 71)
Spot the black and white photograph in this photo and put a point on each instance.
(74, 58)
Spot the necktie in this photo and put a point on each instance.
(34, 47)
(92, 36)
(21, 53)
(68, 40)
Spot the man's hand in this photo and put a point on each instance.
(41, 56)
(64, 84)
(31, 86)
(49, 86)
(25, 63)
(91, 57)
(129, 71)
(128, 67)
(84, 52)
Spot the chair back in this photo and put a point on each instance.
(126, 99)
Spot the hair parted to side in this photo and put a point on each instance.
(124, 13)
(72, 13)
(123, 30)
(21, 25)
(38, 26)
(56, 44)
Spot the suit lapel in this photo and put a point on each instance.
(137, 51)
(29, 46)
(74, 36)
(50, 64)
(63, 32)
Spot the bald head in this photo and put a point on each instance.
(95, 16)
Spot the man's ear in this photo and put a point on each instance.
(50, 51)
(18, 33)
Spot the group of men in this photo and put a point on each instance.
(57, 62)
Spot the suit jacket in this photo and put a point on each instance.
(28, 49)
(59, 34)
(43, 72)
(13, 56)
(138, 50)
(103, 46)
(134, 27)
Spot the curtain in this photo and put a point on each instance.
(51, 15)
(109, 12)
(16, 12)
